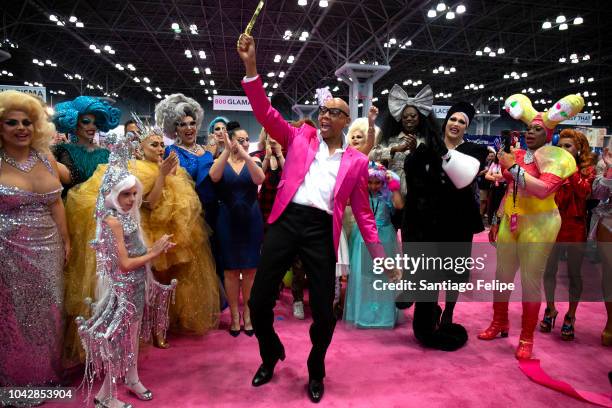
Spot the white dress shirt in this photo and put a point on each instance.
(317, 189)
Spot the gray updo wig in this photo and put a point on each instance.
(168, 112)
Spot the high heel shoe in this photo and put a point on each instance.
(235, 332)
(548, 322)
(160, 342)
(146, 395)
(248, 332)
(524, 350)
(102, 404)
(567, 330)
(499, 325)
(606, 338)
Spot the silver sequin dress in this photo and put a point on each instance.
(107, 335)
(31, 288)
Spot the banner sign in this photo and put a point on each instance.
(440, 111)
(232, 103)
(581, 119)
(40, 92)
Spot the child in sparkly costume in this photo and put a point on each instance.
(130, 301)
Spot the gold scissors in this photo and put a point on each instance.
(251, 24)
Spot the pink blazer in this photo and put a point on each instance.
(302, 145)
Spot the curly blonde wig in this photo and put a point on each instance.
(361, 124)
(34, 108)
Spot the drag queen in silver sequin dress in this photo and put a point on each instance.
(33, 245)
(129, 301)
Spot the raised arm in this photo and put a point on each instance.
(276, 126)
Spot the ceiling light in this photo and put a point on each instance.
(591, 79)
(560, 19)
(431, 13)
(492, 54)
(435, 71)
(323, 3)
(119, 67)
(80, 24)
(92, 47)
(574, 56)
(265, 85)
(281, 74)
(214, 91)
(441, 6)
(290, 59)
(212, 83)
(202, 82)
(207, 71)
(277, 58)
(148, 88)
(97, 51)
(131, 67)
(453, 69)
(287, 35)
(586, 57)
(196, 70)
(73, 19)
(147, 80)
(270, 74)
(175, 26)
(487, 50)
(274, 85)
(136, 79)
(336, 88)
(461, 9)
(53, 17)
(302, 2)
(193, 28)
(501, 51)
(450, 15)
(479, 53)
(524, 75)
(563, 27)
(202, 54)
(562, 59)
(506, 76)
(546, 25)
(447, 72)
(578, 20)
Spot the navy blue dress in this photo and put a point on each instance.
(239, 225)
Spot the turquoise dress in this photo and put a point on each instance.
(365, 307)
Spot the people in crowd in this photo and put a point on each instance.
(34, 243)
(602, 231)
(239, 225)
(81, 119)
(217, 128)
(571, 202)
(366, 306)
(530, 220)
(127, 303)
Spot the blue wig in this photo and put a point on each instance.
(67, 114)
(211, 125)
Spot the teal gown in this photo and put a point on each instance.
(366, 307)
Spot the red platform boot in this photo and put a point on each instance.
(499, 325)
(529, 323)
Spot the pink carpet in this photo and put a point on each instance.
(377, 368)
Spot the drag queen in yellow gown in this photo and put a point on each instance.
(170, 206)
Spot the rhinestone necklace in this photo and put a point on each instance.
(25, 166)
(195, 148)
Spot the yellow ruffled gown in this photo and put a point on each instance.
(178, 212)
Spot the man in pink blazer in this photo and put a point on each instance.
(321, 174)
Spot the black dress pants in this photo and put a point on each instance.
(307, 232)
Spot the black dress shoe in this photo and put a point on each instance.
(315, 390)
(264, 374)
(234, 333)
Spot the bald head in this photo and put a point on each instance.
(333, 118)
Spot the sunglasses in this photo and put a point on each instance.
(185, 124)
(219, 129)
(86, 121)
(15, 122)
(333, 112)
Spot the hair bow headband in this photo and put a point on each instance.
(399, 99)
